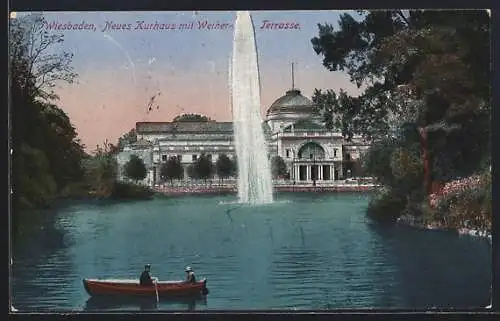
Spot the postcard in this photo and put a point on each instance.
(250, 160)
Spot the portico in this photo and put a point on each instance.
(313, 171)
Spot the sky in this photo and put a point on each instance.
(120, 70)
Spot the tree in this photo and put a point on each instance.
(31, 46)
(224, 166)
(427, 68)
(278, 167)
(191, 118)
(172, 169)
(47, 152)
(234, 169)
(386, 49)
(407, 169)
(101, 170)
(135, 168)
(203, 167)
(191, 171)
(128, 138)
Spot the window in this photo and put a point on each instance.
(179, 158)
(335, 152)
(194, 157)
(310, 156)
(287, 153)
(209, 157)
(163, 158)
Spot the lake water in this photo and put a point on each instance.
(303, 252)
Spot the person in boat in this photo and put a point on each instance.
(190, 277)
(146, 278)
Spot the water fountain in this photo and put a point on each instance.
(254, 169)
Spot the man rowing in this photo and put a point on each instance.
(145, 278)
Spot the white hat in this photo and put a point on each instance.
(188, 269)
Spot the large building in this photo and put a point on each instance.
(293, 129)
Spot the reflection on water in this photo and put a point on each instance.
(302, 252)
(100, 304)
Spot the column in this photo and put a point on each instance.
(332, 172)
(320, 172)
(158, 178)
(308, 171)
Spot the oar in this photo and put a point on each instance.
(156, 289)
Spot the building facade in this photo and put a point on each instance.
(293, 129)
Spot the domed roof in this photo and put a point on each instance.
(292, 101)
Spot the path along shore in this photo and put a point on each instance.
(232, 188)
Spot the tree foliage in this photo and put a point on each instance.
(443, 56)
(234, 171)
(424, 68)
(31, 53)
(203, 167)
(47, 154)
(224, 166)
(101, 170)
(172, 169)
(278, 167)
(128, 138)
(191, 118)
(135, 168)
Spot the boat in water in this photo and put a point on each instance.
(132, 288)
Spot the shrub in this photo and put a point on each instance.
(386, 206)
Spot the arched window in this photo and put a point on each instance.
(311, 151)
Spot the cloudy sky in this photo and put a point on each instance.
(120, 70)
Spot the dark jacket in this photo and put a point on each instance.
(145, 278)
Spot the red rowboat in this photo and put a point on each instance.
(133, 288)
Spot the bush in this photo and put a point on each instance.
(386, 206)
(471, 204)
(131, 191)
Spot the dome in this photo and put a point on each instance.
(291, 103)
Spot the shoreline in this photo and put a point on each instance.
(472, 232)
(210, 190)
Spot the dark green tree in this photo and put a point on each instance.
(234, 168)
(172, 169)
(191, 118)
(191, 171)
(101, 170)
(128, 138)
(382, 50)
(38, 126)
(135, 168)
(439, 59)
(278, 167)
(203, 167)
(224, 166)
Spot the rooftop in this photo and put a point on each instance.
(184, 127)
(291, 101)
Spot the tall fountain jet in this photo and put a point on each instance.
(254, 170)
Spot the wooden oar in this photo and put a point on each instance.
(156, 289)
